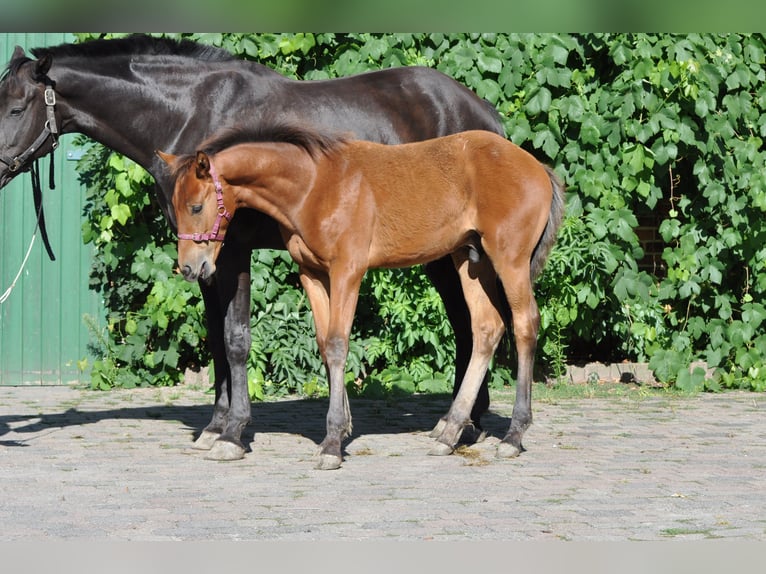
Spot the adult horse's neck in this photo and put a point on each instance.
(136, 104)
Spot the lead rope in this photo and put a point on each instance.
(39, 225)
(37, 194)
(7, 293)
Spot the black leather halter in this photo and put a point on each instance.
(27, 160)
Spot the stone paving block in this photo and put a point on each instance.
(82, 465)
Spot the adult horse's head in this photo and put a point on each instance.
(202, 217)
(28, 127)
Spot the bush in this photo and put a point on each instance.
(642, 127)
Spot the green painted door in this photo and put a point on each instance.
(43, 331)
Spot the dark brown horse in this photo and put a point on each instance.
(344, 207)
(140, 94)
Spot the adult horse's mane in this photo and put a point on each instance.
(13, 67)
(133, 45)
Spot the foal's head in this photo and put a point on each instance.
(202, 209)
(202, 213)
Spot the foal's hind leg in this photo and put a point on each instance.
(526, 323)
(479, 286)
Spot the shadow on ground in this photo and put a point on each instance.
(305, 417)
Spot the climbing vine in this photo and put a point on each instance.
(651, 133)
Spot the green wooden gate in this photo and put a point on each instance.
(43, 333)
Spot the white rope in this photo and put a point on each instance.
(7, 292)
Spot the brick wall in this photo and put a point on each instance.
(651, 241)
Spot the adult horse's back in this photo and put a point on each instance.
(140, 94)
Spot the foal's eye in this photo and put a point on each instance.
(16, 112)
(195, 209)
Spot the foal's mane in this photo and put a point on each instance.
(311, 141)
(133, 45)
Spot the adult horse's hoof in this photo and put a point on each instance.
(507, 450)
(328, 462)
(437, 432)
(441, 449)
(206, 440)
(225, 450)
(472, 434)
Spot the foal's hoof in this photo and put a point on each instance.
(328, 462)
(225, 450)
(441, 449)
(437, 432)
(206, 440)
(507, 450)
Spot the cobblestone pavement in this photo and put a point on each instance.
(82, 465)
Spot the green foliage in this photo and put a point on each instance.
(156, 320)
(662, 127)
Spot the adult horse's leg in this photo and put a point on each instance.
(445, 279)
(217, 348)
(487, 327)
(233, 281)
(526, 323)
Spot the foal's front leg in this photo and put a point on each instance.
(333, 316)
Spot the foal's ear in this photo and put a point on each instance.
(203, 165)
(168, 158)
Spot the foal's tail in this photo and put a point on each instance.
(548, 238)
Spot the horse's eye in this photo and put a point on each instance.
(16, 112)
(195, 209)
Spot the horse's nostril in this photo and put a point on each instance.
(186, 270)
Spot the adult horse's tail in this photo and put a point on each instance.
(548, 238)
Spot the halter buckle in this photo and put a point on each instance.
(50, 97)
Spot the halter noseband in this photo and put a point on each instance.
(214, 234)
(50, 129)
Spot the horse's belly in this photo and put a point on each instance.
(418, 246)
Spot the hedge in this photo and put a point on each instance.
(648, 131)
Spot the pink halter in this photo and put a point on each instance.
(213, 235)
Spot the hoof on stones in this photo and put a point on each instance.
(205, 441)
(441, 449)
(328, 462)
(507, 450)
(225, 450)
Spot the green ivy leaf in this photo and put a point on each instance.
(121, 213)
(539, 102)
